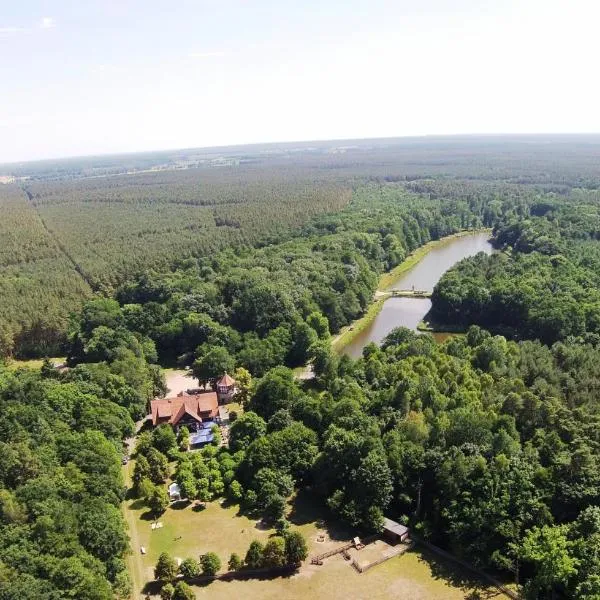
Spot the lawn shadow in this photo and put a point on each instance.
(458, 576)
(307, 508)
(198, 507)
(137, 504)
(152, 588)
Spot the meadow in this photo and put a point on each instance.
(188, 531)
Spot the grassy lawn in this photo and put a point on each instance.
(187, 532)
(412, 576)
(34, 363)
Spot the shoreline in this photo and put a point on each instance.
(419, 254)
(349, 332)
(429, 327)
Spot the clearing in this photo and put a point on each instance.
(188, 532)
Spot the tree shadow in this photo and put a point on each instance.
(227, 503)
(306, 508)
(458, 576)
(129, 493)
(152, 588)
(262, 525)
(198, 507)
(149, 516)
(137, 504)
(180, 504)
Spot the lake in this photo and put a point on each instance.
(408, 312)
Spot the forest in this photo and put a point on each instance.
(62, 533)
(544, 283)
(85, 226)
(486, 445)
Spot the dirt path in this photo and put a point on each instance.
(134, 560)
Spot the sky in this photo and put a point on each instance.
(104, 76)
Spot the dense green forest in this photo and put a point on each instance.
(263, 307)
(485, 446)
(545, 281)
(85, 226)
(67, 240)
(62, 534)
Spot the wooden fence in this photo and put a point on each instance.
(401, 550)
(318, 559)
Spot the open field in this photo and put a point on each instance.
(34, 363)
(412, 576)
(179, 380)
(187, 532)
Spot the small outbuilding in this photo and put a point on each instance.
(174, 492)
(393, 532)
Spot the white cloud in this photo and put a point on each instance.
(48, 23)
(207, 54)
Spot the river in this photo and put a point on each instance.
(408, 312)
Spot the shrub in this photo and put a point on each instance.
(211, 563)
(166, 568)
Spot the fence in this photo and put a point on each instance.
(318, 560)
(401, 550)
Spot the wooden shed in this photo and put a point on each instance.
(393, 532)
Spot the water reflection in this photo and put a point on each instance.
(408, 312)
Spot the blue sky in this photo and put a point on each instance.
(110, 76)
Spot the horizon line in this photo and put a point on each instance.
(291, 142)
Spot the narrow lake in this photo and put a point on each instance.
(408, 312)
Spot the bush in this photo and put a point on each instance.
(189, 568)
(235, 491)
(158, 500)
(296, 549)
(274, 553)
(235, 562)
(167, 591)
(254, 556)
(166, 568)
(211, 563)
(183, 592)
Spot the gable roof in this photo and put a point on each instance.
(172, 410)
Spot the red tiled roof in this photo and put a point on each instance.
(172, 410)
(226, 380)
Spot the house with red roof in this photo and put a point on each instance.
(195, 411)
